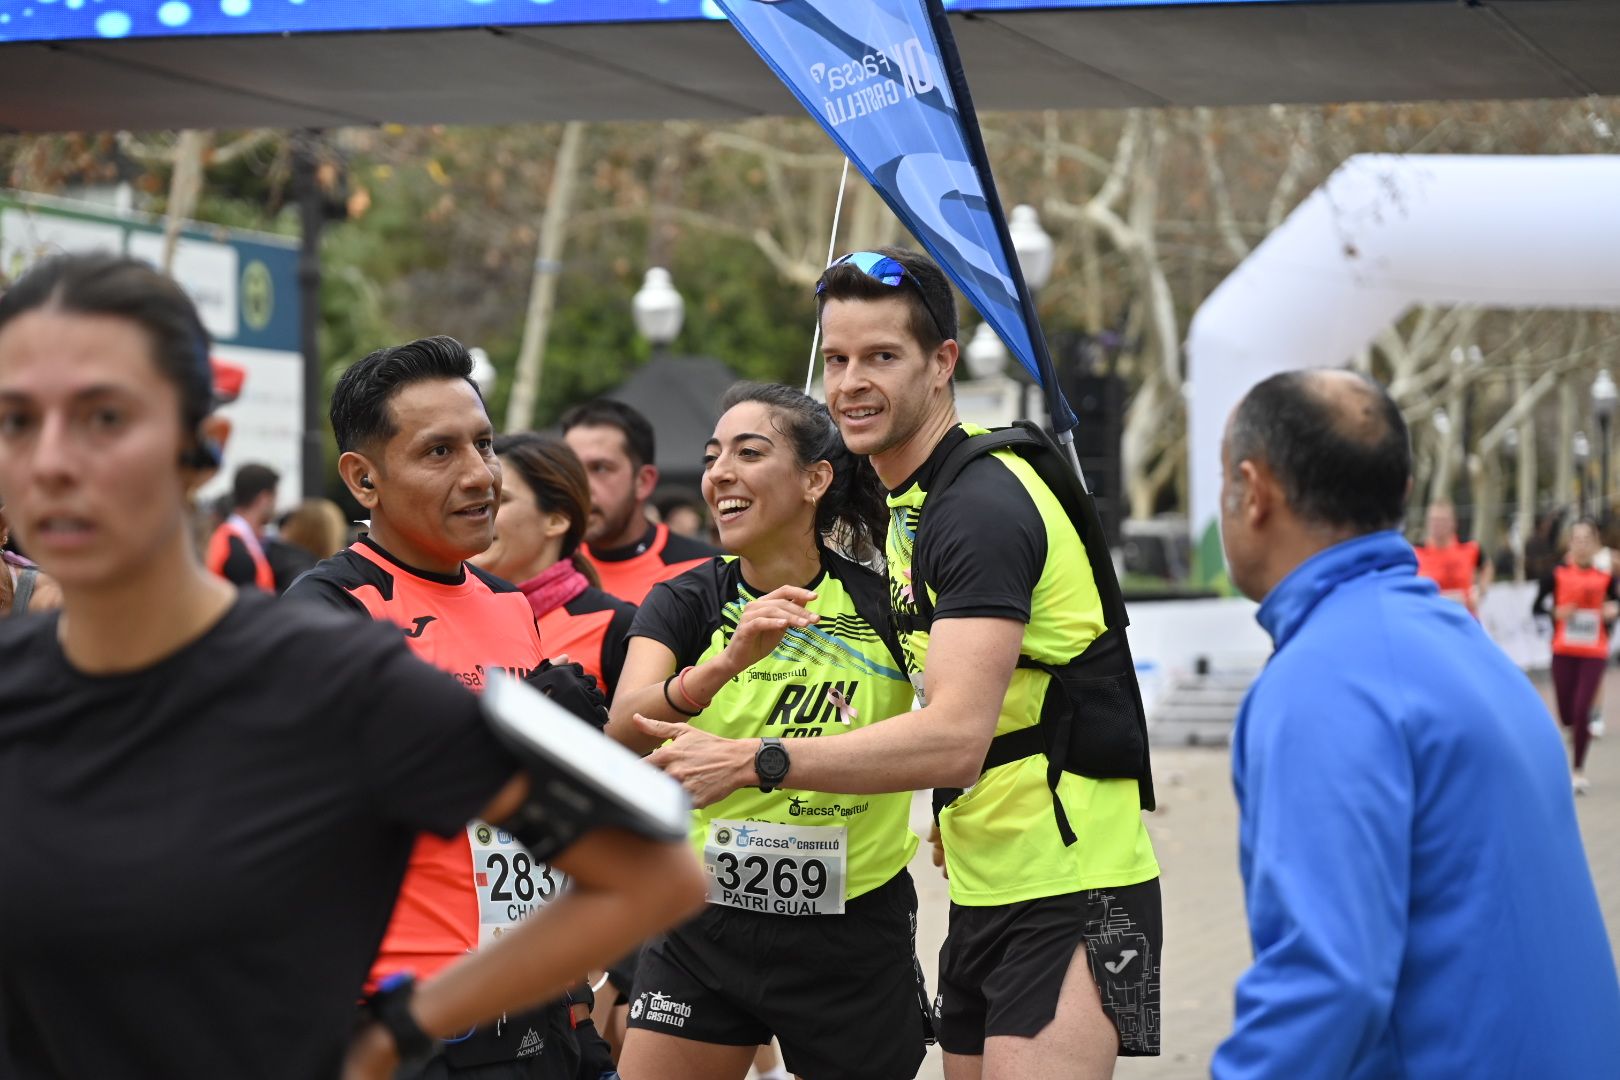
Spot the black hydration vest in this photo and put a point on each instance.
(1092, 722)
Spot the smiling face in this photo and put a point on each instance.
(758, 493)
(436, 481)
(90, 444)
(883, 388)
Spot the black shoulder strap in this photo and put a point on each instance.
(1031, 443)
(870, 593)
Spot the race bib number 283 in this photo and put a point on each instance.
(511, 884)
(780, 869)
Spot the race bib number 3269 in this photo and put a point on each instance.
(779, 869)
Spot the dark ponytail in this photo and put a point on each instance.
(853, 514)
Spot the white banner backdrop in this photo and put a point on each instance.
(1383, 233)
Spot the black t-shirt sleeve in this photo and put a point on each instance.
(678, 548)
(238, 568)
(615, 644)
(982, 543)
(680, 614)
(1544, 595)
(428, 758)
(313, 588)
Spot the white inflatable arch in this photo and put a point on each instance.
(1383, 233)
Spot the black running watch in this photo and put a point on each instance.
(771, 763)
(390, 1006)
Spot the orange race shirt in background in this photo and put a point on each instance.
(466, 891)
(1454, 568)
(630, 572)
(219, 552)
(1584, 633)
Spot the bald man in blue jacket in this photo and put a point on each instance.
(1419, 901)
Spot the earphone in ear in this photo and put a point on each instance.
(365, 482)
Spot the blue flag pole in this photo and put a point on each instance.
(1063, 419)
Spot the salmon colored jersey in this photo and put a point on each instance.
(1454, 568)
(630, 572)
(461, 892)
(591, 630)
(219, 552)
(1584, 633)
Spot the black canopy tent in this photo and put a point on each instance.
(1100, 57)
(1108, 57)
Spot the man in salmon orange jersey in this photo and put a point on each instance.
(418, 454)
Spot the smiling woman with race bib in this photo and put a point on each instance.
(809, 931)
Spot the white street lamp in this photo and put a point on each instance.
(986, 355)
(483, 372)
(658, 309)
(1032, 245)
(1604, 396)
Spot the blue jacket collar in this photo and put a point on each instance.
(1290, 603)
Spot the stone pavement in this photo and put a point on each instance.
(1206, 941)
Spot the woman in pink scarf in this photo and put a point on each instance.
(545, 500)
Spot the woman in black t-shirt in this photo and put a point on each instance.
(209, 798)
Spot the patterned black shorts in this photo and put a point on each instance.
(1001, 968)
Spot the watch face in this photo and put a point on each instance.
(773, 762)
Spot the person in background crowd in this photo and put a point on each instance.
(23, 587)
(539, 527)
(683, 513)
(786, 638)
(234, 784)
(236, 550)
(1584, 603)
(1407, 838)
(1459, 567)
(631, 554)
(313, 530)
(417, 453)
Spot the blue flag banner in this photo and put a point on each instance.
(883, 78)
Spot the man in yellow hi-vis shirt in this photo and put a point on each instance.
(1044, 870)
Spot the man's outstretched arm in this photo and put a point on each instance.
(970, 664)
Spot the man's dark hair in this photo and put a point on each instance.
(105, 284)
(605, 412)
(252, 481)
(925, 291)
(1343, 459)
(360, 413)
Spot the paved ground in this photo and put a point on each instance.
(1206, 948)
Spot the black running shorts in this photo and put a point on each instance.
(1001, 968)
(843, 993)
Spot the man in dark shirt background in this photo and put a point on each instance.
(631, 554)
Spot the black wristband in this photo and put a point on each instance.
(390, 1004)
(671, 701)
